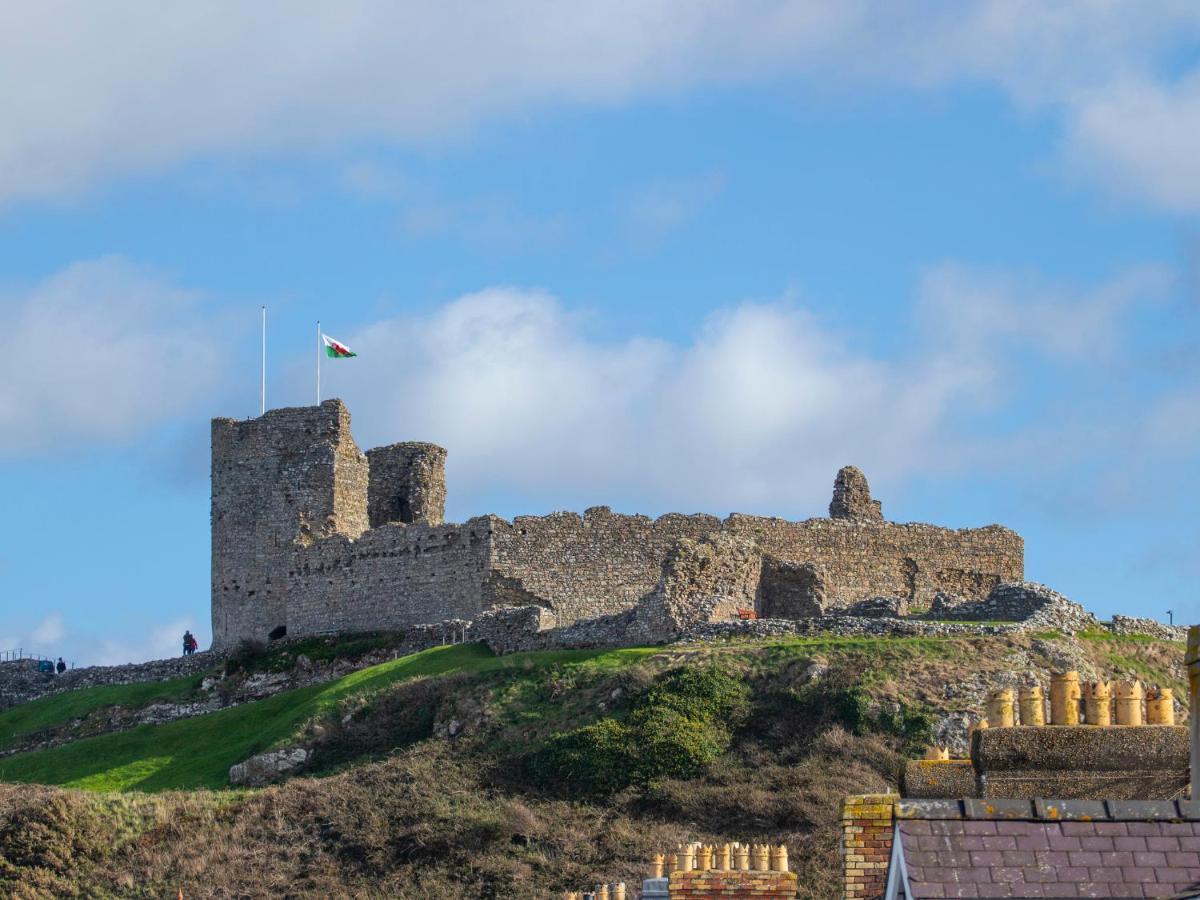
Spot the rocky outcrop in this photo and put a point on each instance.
(1034, 605)
(270, 767)
(20, 681)
(1151, 627)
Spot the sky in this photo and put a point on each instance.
(668, 255)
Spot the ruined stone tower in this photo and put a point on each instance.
(408, 484)
(289, 477)
(852, 497)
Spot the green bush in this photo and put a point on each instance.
(678, 726)
(595, 759)
(667, 744)
(704, 694)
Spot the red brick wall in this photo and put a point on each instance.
(866, 845)
(714, 883)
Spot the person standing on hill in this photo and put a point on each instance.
(61, 667)
(189, 643)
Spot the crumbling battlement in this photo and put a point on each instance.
(312, 536)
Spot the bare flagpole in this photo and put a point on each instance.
(318, 362)
(264, 359)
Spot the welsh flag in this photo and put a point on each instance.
(336, 349)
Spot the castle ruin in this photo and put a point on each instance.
(312, 536)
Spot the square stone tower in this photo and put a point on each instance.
(289, 477)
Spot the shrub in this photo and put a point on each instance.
(670, 745)
(704, 694)
(246, 656)
(677, 727)
(597, 758)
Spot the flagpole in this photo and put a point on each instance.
(264, 359)
(318, 362)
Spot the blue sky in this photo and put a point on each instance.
(666, 256)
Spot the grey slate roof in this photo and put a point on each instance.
(1045, 848)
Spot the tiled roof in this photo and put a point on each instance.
(1042, 848)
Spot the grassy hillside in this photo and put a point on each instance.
(454, 773)
(46, 712)
(197, 752)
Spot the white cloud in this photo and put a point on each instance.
(157, 642)
(97, 92)
(1142, 137)
(48, 631)
(756, 412)
(969, 308)
(101, 352)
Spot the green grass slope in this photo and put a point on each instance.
(197, 752)
(57, 709)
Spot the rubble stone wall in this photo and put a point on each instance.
(861, 559)
(408, 484)
(311, 534)
(390, 578)
(291, 475)
(591, 565)
(20, 681)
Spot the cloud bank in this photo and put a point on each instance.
(763, 404)
(102, 352)
(104, 91)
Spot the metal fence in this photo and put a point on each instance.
(22, 653)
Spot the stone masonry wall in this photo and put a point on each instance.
(290, 476)
(392, 577)
(408, 484)
(861, 559)
(590, 565)
(293, 497)
(604, 562)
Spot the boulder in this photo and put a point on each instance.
(269, 767)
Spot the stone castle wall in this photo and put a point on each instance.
(857, 559)
(407, 484)
(291, 475)
(590, 565)
(392, 577)
(293, 499)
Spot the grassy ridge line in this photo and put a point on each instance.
(57, 709)
(197, 752)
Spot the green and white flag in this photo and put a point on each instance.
(336, 349)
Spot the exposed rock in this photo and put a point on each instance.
(269, 767)
(1033, 604)
(852, 497)
(1156, 629)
